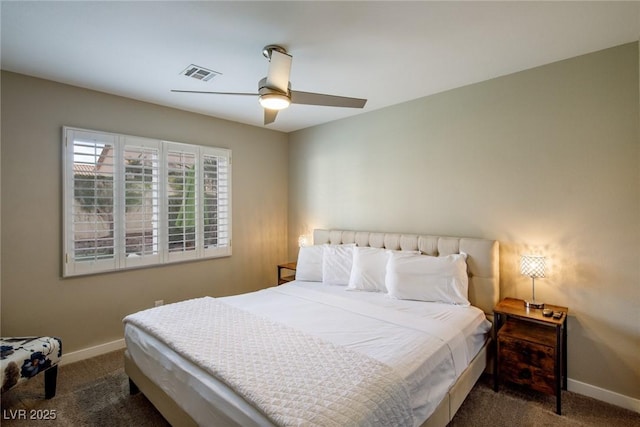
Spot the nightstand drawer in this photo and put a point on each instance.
(527, 363)
(530, 376)
(516, 350)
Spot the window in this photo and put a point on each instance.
(131, 202)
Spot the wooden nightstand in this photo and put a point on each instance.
(531, 349)
(286, 266)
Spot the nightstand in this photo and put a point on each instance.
(286, 266)
(531, 349)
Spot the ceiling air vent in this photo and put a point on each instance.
(199, 73)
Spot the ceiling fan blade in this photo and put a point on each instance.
(270, 116)
(279, 71)
(310, 98)
(215, 93)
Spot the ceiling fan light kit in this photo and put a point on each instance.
(274, 91)
(274, 101)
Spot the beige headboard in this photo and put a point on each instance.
(482, 256)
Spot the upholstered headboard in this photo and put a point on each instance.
(482, 256)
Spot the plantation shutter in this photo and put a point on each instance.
(90, 198)
(216, 201)
(141, 231)
(182, 196)
(132, 202)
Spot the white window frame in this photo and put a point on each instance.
(120, 260)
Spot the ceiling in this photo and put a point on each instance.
(387, 52)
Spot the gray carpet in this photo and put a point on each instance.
(95, 392)
(514, 406)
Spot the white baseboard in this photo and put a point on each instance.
(90, 352)
(604, 395)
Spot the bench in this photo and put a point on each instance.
(25, 357)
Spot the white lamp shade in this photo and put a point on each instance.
(303, 240)
(532, 266)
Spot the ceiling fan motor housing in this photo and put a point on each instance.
(271, 98)
(263, 89)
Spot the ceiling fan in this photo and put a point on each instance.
(274, 91)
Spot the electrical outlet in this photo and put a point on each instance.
(159, 302)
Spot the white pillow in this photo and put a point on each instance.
(368, 270)
(309, 266)
(428, 278)
(336, 263)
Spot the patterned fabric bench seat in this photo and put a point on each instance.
(23, 358)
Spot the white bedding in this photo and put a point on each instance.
(405, 335)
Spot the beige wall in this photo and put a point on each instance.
(543, 160)
(87, 311)
(547, 159)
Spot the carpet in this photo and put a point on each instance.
(516, 406)
(95, 392)
(90, 393)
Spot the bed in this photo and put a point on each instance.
(413, 361)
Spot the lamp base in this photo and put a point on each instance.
(533, 304)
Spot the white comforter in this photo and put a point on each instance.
(295, 379)
(422, 342)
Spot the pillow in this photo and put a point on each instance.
(336, 263)
(368, 270)
(370, 267)
(309, 266)
(428, 278)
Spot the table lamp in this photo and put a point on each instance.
(533, 266)
(303, 240)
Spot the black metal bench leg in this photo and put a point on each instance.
(50, 379)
